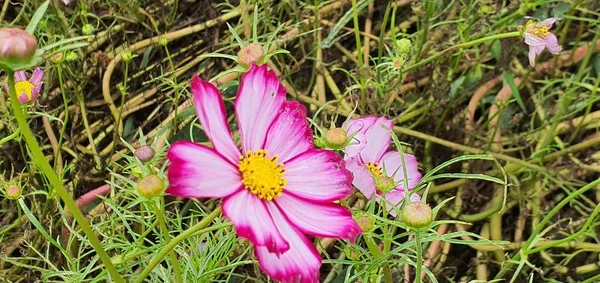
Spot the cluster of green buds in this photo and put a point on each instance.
(402, 48)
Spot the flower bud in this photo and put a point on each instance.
(17, 46)
(150, 186)
(72, 56)
(352, 253)
(250, 54)
(144, 153)
(57, 58)
(87, 29)
(365, 223)
(385, 183)
(417, 215)
(163, 41)
(336, 138)
(13, 192)
(127, 55)
(403, 46)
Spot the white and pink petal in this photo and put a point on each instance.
(363, 179)
(318, 175)
(197, 171)
(321, 220)
(378, 140)
(289, 135)
(211, 112)
(392, 163)
(301, 263)
(257, 104)
(252, 221)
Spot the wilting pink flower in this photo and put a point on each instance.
(378, 171)
(27, 90)
(538, 37)
(279, 188)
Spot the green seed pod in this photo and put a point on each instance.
(250, 54)
(336, 138)
(150, 186)
(417, 215)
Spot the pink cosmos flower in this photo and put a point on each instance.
(378, 171)
(355, 130)
(27, 90)
(278, 188)
(538, 37)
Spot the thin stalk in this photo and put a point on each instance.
(363, 93)
(160, 211)
(45, 167)
(64, 123)
(186, 234)
(419, 262)
(462, 45)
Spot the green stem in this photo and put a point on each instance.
(462, 45)
(66, 105)
(377, 253)
(363, 93)
(163, 226)
(538, 229)
(186, 234)
(43, 164)
(419, 262)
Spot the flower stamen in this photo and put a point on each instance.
(374, 169)
(24, 87)
(540, 31)
(262, 175)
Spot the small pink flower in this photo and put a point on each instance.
(27, 90)
(538, 37)
(357, 129)
(278, 188)
(380, 173)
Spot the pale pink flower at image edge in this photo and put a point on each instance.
(279, 189)
(27, 90)
(375, 159)
(538, 37)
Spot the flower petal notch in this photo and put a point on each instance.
(274, 184)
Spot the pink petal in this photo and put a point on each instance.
(318, 175)
(35, 92)
(197, 171)
(301, 263)
(547, 22)
(392, 163)
(532, 56)
(533, 40)
(363, 180)
(253, 221)
(289, 135)
(36, 77)
(552, 44)
(257, 104)
(23, 98)
(211, 112)
(321, 220)
(394, 198)
(378, 140)
(357, 129)
(20, 76)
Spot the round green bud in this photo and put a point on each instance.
(352, 253)
(87, 29)
(403, 46)
(150, 186)
(163, 41)
(127, 55)
(417, 215)
(72, 56)
(365, 223)
(385, 183)
(57, 58)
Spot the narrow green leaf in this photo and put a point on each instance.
(510, 80)
(39, 13)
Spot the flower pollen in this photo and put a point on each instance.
(24, 87)
(374, 169)
(541, 31)
(262, 175)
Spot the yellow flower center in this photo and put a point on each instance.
(262, 175)
(374, 169)
(540, 31)
(24, 86)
